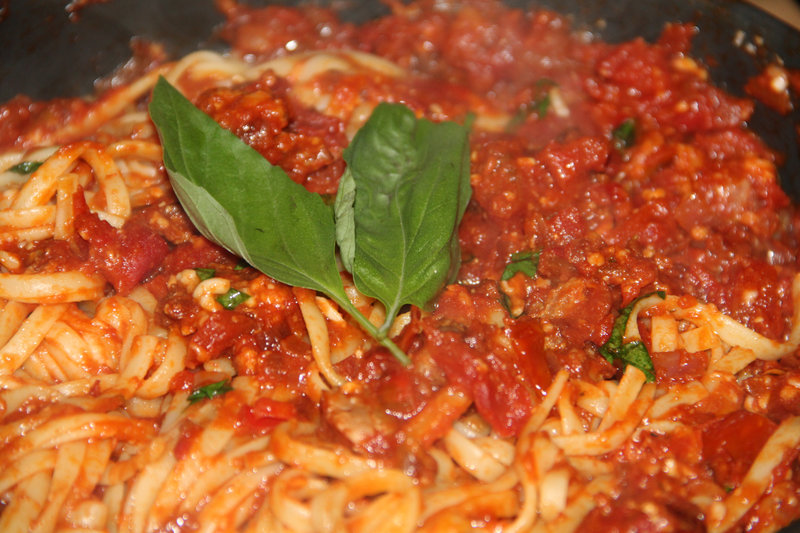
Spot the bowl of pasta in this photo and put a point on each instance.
(403, 266)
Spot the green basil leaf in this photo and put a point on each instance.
(345, 219)
(205, 273)
(624, 135)
(241, 202)
(411, 189)
(26, 167)
(231, 299)
(635, 353)
(630, 353)
(526, 262)
(209, 391)
(612, 346)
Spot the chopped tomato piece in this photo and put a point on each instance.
(123, 256)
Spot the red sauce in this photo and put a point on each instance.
(730, 444)
(22, 117)
(189, 434)
(679, 366)
(264, 415)
(771, 87)
(123, 256)
(306, 144)
(277, 30)
(218, 333)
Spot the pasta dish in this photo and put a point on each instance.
(316, 325)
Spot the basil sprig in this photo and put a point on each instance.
(629, 353)
(400, 203)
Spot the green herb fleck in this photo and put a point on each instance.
(624, 135)
(231, 299)
(209, 391)
(26, 167)
(205, 273)
(630, 353)
(526, 262)
(542, 105)
(539, 104)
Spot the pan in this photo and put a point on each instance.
(46, 53)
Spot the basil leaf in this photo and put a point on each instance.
(345, 219)
(526, 262)
(209, 391)
(231, 299)
(205, 273)
(26, 167)
(630, 353)
(411, 181)
(635, 353)
(241, 202)
(624, 135)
